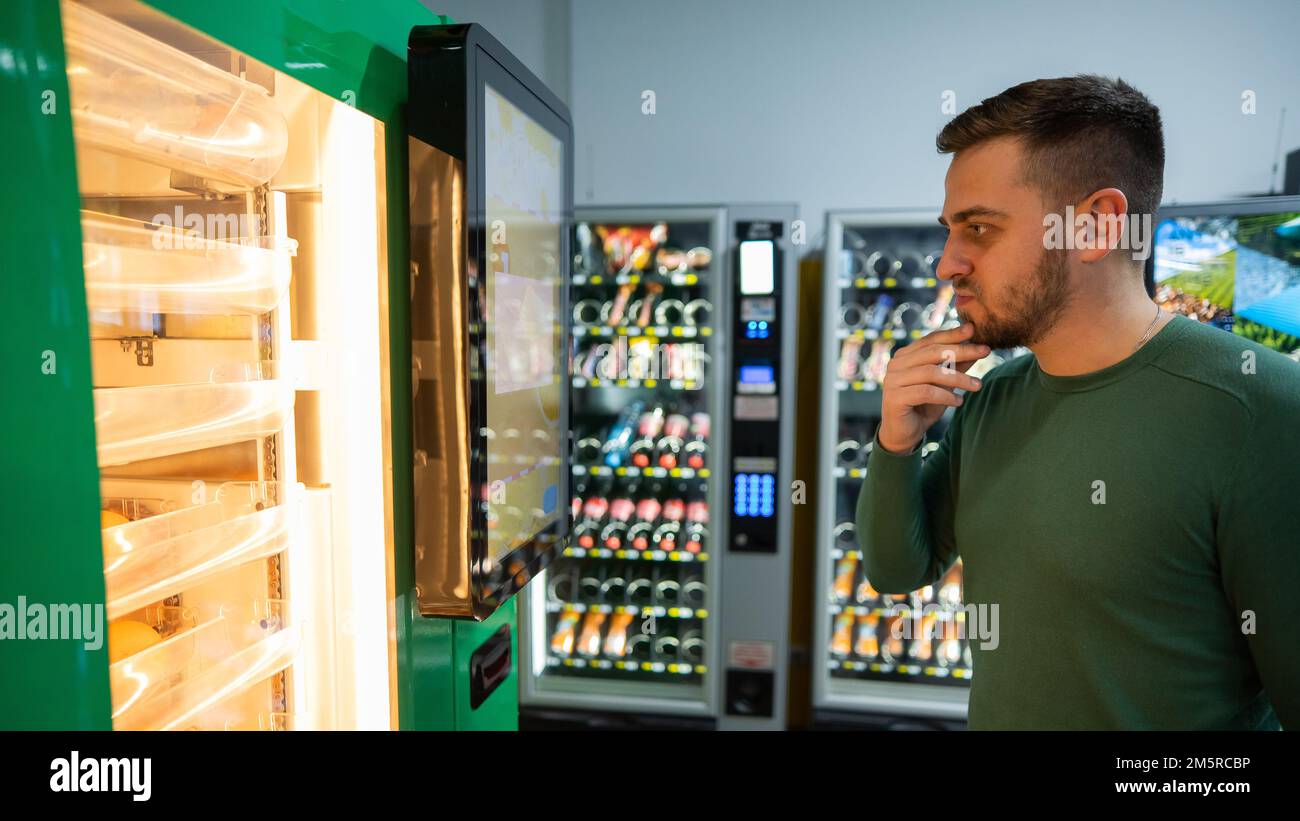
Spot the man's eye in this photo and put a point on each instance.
(977, 228)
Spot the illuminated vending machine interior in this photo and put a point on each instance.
(893, 655)
(233, 224)
(671, 597)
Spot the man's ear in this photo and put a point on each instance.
(1101, 219)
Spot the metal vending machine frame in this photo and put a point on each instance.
(743, 678)
(353, 53)
(835, 699)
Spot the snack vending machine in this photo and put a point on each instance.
(881, 659)
(669, 604)
(211, 335)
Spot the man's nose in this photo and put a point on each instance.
(952, 263)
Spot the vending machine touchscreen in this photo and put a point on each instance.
(490, 195)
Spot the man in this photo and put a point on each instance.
(1127, 495)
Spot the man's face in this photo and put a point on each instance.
(1008, 285)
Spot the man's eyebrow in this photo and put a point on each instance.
(975, 211)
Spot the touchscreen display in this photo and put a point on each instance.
(524, 167)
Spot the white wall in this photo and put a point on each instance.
(836, 103)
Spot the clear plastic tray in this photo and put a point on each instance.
(166, 686)
(156, 557)
(139, 266)
(238, 403)
(134, 95)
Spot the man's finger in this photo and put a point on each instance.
(916, 395)
(952, 335)
(932, 375)
(938, 354)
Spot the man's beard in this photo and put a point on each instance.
(1028, 310)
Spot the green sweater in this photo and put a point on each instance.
(1137, 528)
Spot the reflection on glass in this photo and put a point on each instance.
(524, 186)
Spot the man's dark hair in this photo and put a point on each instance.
(1080, 134)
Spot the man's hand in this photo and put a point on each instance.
(919, 384)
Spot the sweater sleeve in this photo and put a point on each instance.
(1258, 543)
(905, 514)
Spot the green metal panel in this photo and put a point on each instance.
(501, 709)
(49, 493)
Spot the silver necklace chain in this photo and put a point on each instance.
(1143, 340)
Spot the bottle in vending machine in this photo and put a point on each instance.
(562, 638)
(615, 314)
(894, 650)
(697, 526)
(671, 444)
(648, 427)
(878, 313)
(642, 529)
(594, 510)
(619, 441)
(589, 638)
(878, 362)
(850, 354)
(616, 637)
(653, 290)
(697, 449)
(867, 645)
(842, 635)
(949, 653)
(670, 525)
(922, 647)
(846, 571)
(616, 526)
(950, 586)
(866, 594)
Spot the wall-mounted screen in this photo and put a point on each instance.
(1237, 271)
(524, 186)
(491, 199)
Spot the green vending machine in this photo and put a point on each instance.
(218, 478)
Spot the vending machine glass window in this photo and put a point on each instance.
(671, 596)
(889, 654)
(236, 284)
(624, 618)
